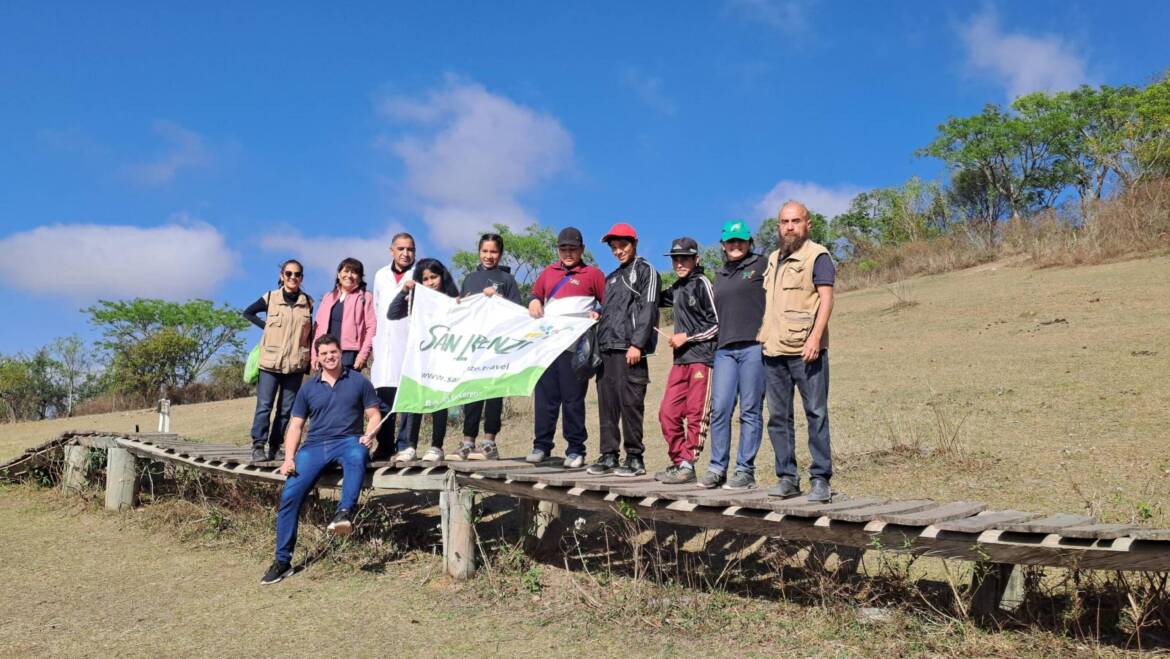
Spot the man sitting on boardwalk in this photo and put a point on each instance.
(333, 401)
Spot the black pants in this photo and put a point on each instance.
(559, 390)
(386, 439)
(473, 412)
(621, 397)
(412, 423)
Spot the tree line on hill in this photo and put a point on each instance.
(1076, 175)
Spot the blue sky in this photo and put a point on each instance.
(151, 149)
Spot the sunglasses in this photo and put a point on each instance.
(290, 274)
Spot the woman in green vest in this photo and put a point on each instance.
(285, 350)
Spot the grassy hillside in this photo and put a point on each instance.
(1048, 386)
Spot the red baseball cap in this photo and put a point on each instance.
(620, 230)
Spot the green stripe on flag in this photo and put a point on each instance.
(415, 397)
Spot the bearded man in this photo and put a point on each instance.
(798, 285)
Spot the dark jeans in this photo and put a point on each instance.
(270, 384)
(311, 460)
(812, 380)
(621, 399)
(738, 373)
(559, 390)
(348, 358)
(386, 434)
(473, 412)
(412, 423)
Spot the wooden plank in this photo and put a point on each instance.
(869, 513)
(1098, 531)
(530, 475)
(1161, 535)
(948, 511)
(641, 490)
(1049, 524)
(984, 521)
(719, 497)
(472, 466)
(816, 509)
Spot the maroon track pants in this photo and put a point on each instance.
(685, 400)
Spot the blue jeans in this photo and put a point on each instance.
(269, 385)
(812, 379)
(311, 460)
(738, 373)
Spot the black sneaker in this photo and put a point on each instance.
(276, 453)
(259, 453)
(634, 466)
(712, 479)
(605, 464)
(341, 524)
(786, 489)
(678, 475)
(276, 572)
(819, 490)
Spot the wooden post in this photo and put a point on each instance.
(73, 478)
(457, 505)
(988, 584)
(541, 521)
(848, 560)
(121, 479)
(164, 415)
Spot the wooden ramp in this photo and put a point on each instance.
(965, 530)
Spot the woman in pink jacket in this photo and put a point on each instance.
(347, 312)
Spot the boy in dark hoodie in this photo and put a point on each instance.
(696, 324)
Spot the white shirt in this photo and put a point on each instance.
(390, 339)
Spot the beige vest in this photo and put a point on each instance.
(288, 333)
(791, 301)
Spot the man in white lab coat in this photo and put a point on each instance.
(390, 338)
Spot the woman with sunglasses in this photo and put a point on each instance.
(347, 312)
(285, 348)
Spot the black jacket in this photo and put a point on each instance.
(693, 300)
(499, 276)
(629, 312)
(739, 299)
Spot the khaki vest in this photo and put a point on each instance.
(288, 333)
(791, 302)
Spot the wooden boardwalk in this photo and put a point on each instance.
(965, 530)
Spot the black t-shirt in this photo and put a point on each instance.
(824, 271)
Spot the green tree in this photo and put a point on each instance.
(976, 206)
(183, 337)
(915, 210)
(28, 388)
(75, 370)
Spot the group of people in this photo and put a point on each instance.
(760, 330)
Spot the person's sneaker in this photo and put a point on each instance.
(405, 455)
(712, 479)
(665, 473)
(537, 456)
(634, 466)
(460, 453)
(433, 454)
(485, 451)
(819, 490)
(277, 571)
(678, 475)
(574, 461)
(786, 489)
(741, 480)
(276, 453)
(341, 524)
(605, 464)
(259, 454)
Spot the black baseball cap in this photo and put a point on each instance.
(570, 237)
(684, 246)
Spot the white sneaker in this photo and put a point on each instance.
(574, 461)
(433, 454)
(405, 455)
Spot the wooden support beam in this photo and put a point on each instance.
(457, 508)
(121, 479)
(988, 585)
(541, 521)
(74, 478)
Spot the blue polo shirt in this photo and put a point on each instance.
(335, 412)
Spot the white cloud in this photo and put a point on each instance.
(321, 254)
(175, 261)
(787, 16)
(473, 154)
(826, 200)
(186, 149)
(649, 90)
(1019, 62)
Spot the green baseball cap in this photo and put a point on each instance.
(735, 230)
